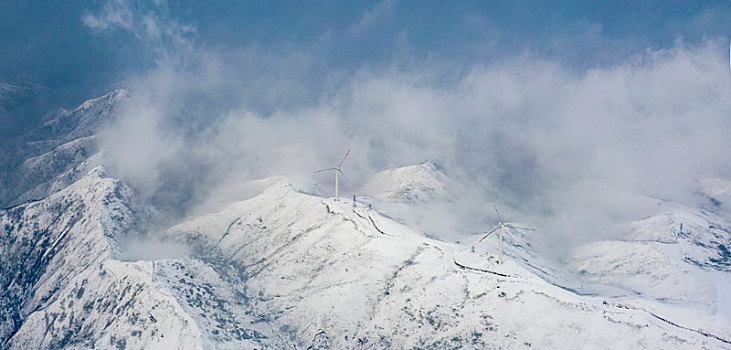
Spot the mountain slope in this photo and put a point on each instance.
(55, 154)
(418, 183)
(62, 285)
(328, 276)
(285, 269)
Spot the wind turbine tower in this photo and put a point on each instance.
(337, 171)
(501, 226)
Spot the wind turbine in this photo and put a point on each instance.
(501, 225)
(337, 170)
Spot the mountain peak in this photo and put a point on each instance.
(418, 183)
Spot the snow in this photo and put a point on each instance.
(55, 155)
(642, 268)
(288, 269)
(682, 273)
(270, 265)
(409, 184)
(285, 268)
(323, 271)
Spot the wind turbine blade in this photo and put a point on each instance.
(500, 218)
(521, 228)
(489, 233)
(346, 156)
(319, 171)
(341, 173)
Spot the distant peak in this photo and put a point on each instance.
(418, 183)
(109, 97)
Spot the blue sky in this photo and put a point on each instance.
(47, 43)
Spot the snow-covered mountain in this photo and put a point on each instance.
(56, 154)
(679, 256)
(288, 269)
(61, 285)
(322, 274)
(409, 184)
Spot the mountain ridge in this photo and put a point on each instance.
(285, 268)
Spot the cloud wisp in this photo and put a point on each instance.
(151, 24)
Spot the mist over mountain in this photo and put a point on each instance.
(159, 191)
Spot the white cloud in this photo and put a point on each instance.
(115, 13)
(576, 153)
(152, 26)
